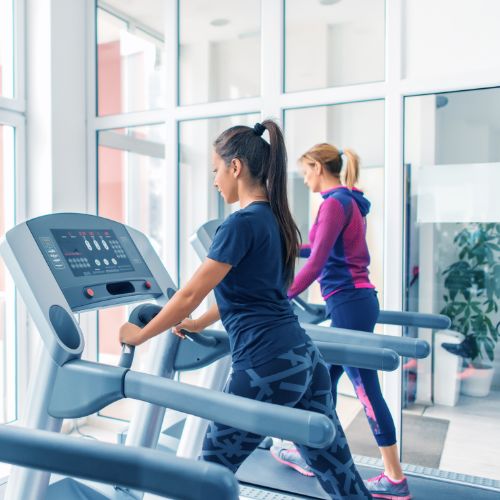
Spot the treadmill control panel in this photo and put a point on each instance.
(92, 252)
(94, 260)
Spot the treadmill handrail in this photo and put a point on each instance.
(360, 356)
(139, 468)
(293, 424)
(398, 318)
(403, 346)
(417, 319)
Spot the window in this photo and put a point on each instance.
(359, 126)
(130, 185)
(452, 158)
(6, 48)
(329, 43)
(460, 37)
(199, 201)
(219, 50)
(130, 56)
(7, 303)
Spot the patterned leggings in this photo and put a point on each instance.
(300, 379)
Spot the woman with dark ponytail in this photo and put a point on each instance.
(250, 266)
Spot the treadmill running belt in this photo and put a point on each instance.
(260, 469)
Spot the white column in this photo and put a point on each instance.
(56, 106)
(393, 189)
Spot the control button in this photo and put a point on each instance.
(96, 244)
(114, 261)
(106, 262)
(97, 262)
(89, 292)
(147, 284)
(88, 245)
(104, 244)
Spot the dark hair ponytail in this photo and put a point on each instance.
(267, 164)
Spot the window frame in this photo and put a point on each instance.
(13, 114)
(273, 102)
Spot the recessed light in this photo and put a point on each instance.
(221, 21)
(328, 2)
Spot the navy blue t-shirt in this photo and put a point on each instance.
(252, 300)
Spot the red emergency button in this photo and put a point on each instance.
(147, 284)
(89, 292)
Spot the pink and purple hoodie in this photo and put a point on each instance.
(337, 251)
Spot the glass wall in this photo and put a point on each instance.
(329, 43)
(452, 163)
(131, 180)
(199, 201)
(7, 306)
(219, 50)
(359, 126)
(6, 48)
(461, 38)
(130, 56)
(335, 50)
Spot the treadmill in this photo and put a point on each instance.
(425, 483)
(139, 468)
(68, 263)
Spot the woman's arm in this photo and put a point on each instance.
(197, 325)
(331, 220)
(181, 305)
(207, 318)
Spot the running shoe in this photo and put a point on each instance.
(384, 487)
(292, 458)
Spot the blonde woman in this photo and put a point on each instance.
(338, 258)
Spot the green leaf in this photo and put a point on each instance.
(489, 351)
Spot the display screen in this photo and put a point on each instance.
(92, 252)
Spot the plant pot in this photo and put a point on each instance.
(476, 380)
(447, 369)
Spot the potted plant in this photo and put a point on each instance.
(473, 291)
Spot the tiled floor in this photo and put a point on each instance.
(473, 437)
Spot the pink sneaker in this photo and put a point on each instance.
(384, 487)
(292, 458)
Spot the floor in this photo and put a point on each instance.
(474, 427)
(474, 432)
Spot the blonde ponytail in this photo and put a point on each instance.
(351, 173)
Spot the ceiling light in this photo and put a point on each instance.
(220, 21)
(328, 2)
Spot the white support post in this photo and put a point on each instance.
(272, 61)
(393, 189)
(171, 178)
(57, 170)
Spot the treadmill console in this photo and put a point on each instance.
(90, 251)
(94, 260)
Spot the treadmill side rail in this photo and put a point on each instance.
(403, 346)
(83, 387)
(371, 358)
(138, 468)
(301, 426)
